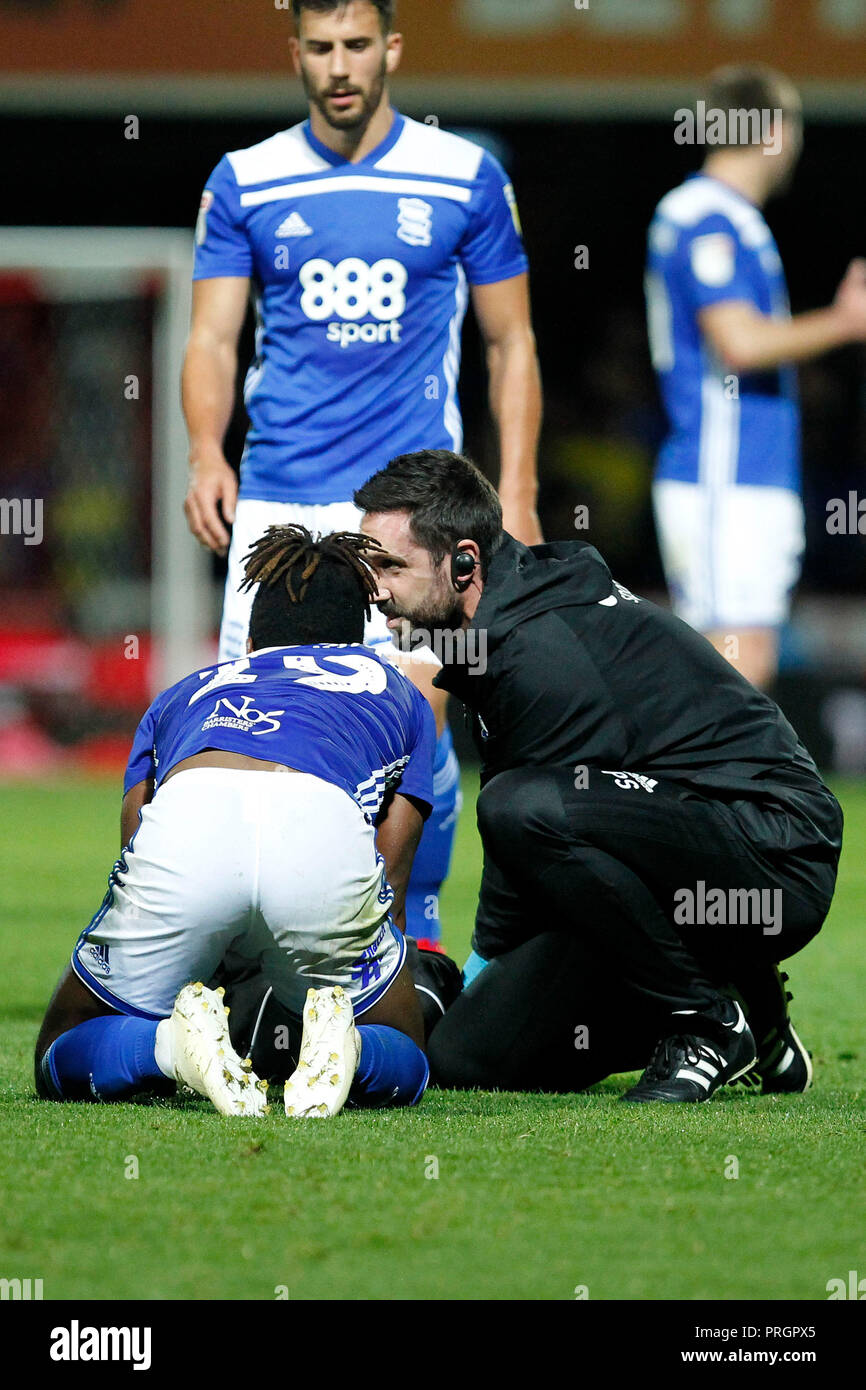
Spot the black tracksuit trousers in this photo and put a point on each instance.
(608, 903)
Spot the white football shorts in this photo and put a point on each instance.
(731, 555)
(280, 868)
(252, 519)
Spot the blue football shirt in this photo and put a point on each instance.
(709, 244)
(360, 274)
(334, 711)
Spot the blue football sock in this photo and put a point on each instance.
(433, 855)
(393, 1070)
(106, 1058)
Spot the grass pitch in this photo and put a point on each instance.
(472, 1196)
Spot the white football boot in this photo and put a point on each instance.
(330, 1052)
(204, 1058)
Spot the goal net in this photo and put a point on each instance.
(104, 595)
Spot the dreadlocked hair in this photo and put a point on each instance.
(310, 590)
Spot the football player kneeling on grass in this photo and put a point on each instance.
(272, 807)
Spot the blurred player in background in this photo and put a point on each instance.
(727, 489)
(359, 230)
(240, 782)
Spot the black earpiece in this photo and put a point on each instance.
(463, 566)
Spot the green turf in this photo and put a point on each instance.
(535, 1195)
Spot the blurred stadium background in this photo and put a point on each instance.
(114, 112)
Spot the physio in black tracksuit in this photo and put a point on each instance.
(655, 836)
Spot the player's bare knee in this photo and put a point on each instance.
(399, 1009)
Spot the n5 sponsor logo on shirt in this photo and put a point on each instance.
(243, 715)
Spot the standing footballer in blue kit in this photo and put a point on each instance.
(363, 235)
(724, 345)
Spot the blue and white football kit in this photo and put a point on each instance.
(280, 869)
(360, 273)
(727, 488)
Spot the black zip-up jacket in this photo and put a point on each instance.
(580, 672)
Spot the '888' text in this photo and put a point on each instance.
(353, 290)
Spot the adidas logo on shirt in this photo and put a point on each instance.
(294, 225)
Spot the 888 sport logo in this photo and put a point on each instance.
(353, 290)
